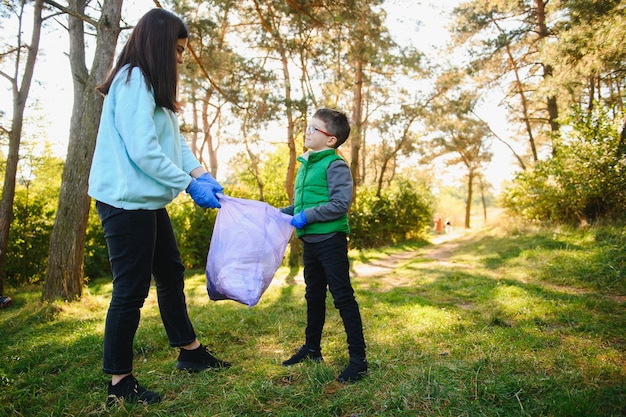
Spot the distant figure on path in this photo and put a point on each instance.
(438, 224)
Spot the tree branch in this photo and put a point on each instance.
(72, 13)
(7, 76)
(519, 159)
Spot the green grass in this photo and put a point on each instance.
(528, 323)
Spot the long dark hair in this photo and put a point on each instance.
(152, 48)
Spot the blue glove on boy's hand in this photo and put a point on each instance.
(202, 193)
(299, 220)
(207, 178)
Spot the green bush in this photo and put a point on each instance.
(584, 181)
(27, 251)
(34, 208)
(400, 213)
(193, 227)
(96, 259)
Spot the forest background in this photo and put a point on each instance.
(556, 68)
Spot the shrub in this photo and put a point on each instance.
(193, 227)
(399, 214)
(27, 251)
(584, 181)
(34, 208)
(96, 260)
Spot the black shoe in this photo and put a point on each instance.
(303, 354)
(5, 301)
(356, 370)
(128, 389)
(199, 359)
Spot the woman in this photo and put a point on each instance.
(140, 164)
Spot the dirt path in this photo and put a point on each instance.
(441, 248)
(439, 251)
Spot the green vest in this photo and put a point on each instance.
(311, 190)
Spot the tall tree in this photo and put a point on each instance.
(209, 78)
(271, 16)
(64, 276)
(397, 136)
(553, 55)
(286, 31)
(543, 33)
(588, 56)
(363, 39)
(459, 137)
(505, 40)
(20, 89)
(465, 137)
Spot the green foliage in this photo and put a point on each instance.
(585, 181)
(96, 260)
(272, 171)
(34, 211)
(193, 227)
(34, 208)
(27, 252)
(402, 212)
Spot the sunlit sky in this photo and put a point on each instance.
(423, 24)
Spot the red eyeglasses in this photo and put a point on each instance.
(310, 129)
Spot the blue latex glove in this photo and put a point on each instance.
(206, 177)
(202, 193)
(299, 220)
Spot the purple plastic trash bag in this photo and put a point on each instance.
(247, 247)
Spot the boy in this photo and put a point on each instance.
(323, 193)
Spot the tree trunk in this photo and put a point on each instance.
(357, 115)
(553, 110)
(208, 141)
(519, 85)
(15, 136)
(273, 29)
(64, 276)
(357, 111)
(621, 147)
(468, 203)
(482, 198)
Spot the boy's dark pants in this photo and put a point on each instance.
(141, 245)
(326, 265)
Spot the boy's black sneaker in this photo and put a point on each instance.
(5, 301)
(355, 371)
(129, 390)
(303, 354)
(199, 359)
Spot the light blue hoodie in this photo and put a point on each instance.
(141, 160)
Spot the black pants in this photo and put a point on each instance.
(141, 245)
(326, 265)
